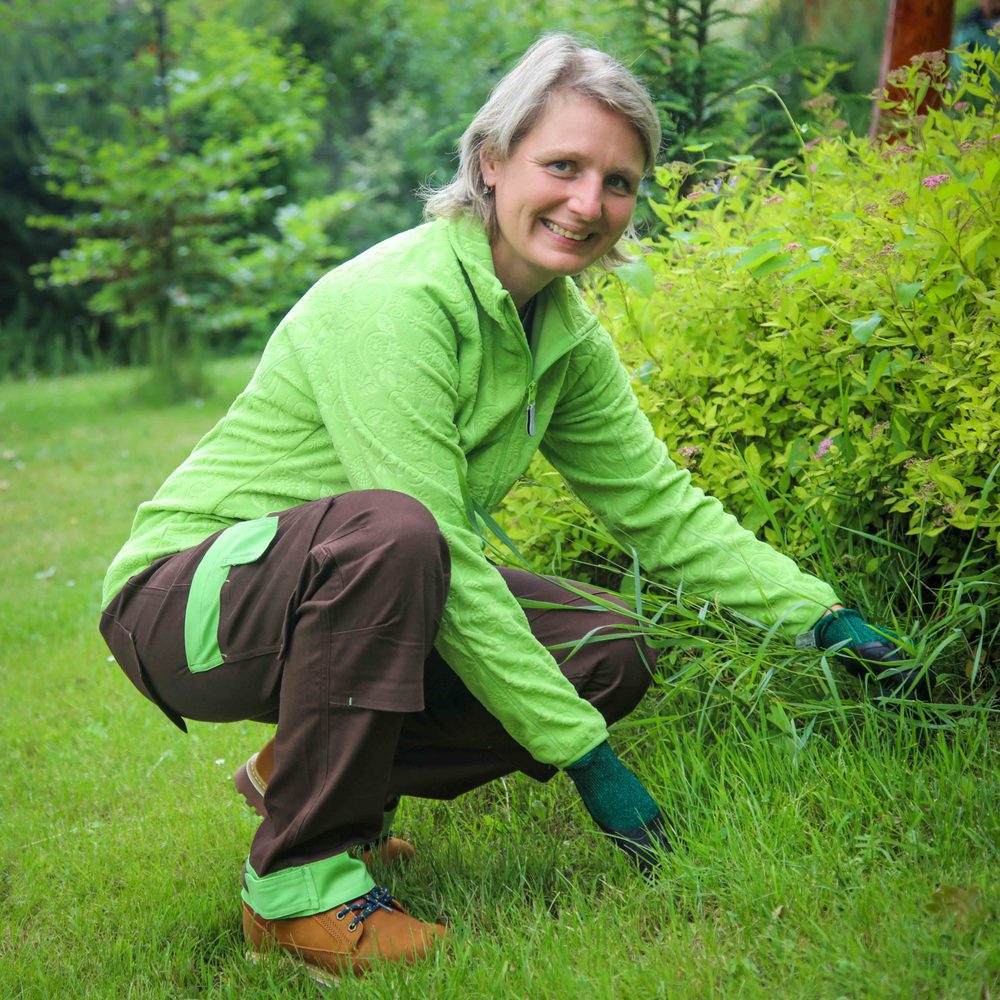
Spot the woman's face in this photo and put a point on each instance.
(565, 194)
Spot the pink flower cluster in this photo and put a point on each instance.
(824, 447)
(935, 180)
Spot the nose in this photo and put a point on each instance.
(586, 199)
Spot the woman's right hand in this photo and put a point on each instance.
(621, 806)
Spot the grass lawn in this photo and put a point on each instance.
(856, 858)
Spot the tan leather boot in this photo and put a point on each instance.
(348, 938)
(251, 782)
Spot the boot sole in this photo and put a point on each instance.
(322, 977)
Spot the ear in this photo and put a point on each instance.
(488, 165)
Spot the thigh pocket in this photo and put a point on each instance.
(243, 542)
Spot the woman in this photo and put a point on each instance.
(312, 562)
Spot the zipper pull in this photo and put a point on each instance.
(532, 387)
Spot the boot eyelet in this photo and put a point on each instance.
(342, 914)
(352, 925)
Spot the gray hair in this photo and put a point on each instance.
(555, 63)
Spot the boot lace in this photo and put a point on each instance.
(378, 898)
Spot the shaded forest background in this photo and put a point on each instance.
(177, 172)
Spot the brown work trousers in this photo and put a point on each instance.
(330, 634)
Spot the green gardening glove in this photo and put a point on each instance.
(621, 806)
(872, 651)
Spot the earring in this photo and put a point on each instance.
(487, 192)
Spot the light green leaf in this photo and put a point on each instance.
(774, 264)
(950, 484)
(637, 275)
(699, 147)
(815, 253)
(801, 271)
(878, 368)
(758, 254)
(907, 291)
(862, 329)
(799, 454)
(686, 237)
(990, 172)
(970, 247)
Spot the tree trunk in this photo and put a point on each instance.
(913, 26)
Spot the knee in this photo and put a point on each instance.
(407, 531)
(394, 532)
(624, 671)
(636, 662)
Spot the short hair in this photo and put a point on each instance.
(556, 63)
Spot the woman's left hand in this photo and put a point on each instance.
(873, 651)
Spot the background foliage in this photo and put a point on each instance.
(835, 325)
(398, 82)
(210, 127)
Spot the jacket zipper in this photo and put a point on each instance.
(530, 422)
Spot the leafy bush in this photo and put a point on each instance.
(817, 343)
(170, 210)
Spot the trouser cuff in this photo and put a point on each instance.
(305, 889)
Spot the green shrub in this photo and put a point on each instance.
(817, 342)
(172, 218)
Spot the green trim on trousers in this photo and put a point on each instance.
(306, 889)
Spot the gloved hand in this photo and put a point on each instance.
(872, 651)
(620, 805)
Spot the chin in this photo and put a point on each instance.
(568, 266)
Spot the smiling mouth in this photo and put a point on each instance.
(559, 231)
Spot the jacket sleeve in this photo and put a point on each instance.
(607, 451)
(386, 387)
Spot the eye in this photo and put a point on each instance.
(621, 184)
(561, 166)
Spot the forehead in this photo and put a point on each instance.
(573, 123)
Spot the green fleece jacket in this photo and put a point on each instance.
(408, 368)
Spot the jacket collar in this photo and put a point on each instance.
(468, 240)
(561, 318)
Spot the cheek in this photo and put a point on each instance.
(620, 218)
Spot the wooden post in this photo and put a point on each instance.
(913, 26)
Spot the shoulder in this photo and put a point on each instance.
(409, 280)
(416, 261)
